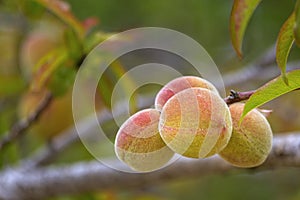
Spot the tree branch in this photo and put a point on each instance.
(91, 176)
(238, 96)
(21, 126)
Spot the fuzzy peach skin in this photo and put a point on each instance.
(178, 85)
(251, 141)
(138, 143)
(195, 123)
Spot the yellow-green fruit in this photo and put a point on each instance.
(251, 141)
(139, 144)
(178, 85)
(195, 123)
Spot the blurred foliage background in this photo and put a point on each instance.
(28, 33)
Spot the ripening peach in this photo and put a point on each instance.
(195, 123)
(178, 85)
(251, 141)
(138, 143)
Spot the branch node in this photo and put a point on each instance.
(234, 94)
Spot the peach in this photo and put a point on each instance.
(251, 141)
(178, 85)
(195, 123)
(138, 143)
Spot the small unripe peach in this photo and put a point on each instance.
(178, 85)
(139, 144)
(251, 141)
(195, 123)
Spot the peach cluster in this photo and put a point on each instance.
(191, 119)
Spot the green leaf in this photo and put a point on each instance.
(106, 84)
(272, 90)
(62, 80)
(95, 39)
(241, 13)
(128, 84)
(105, 88)
(46, 69)
(297, 23)
(285, 41)
(73, 45)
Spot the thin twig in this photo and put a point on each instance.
(21, 126)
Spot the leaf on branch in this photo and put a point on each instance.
(73, 45)
(285, 41)
(61, 9)
(61, 80)
(46, 68)
(90, 23)
(94, 39)
(127, 83)
(272, 90)
(241, 13)
(116, 73)
(297, 23)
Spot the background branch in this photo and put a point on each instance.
(92, 176)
